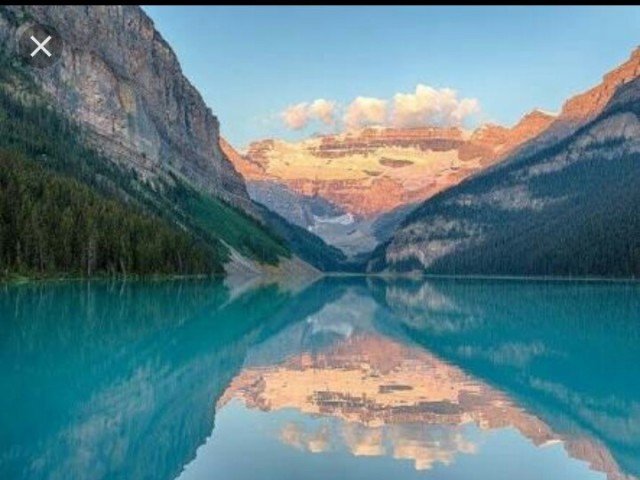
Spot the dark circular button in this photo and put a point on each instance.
(39, 46)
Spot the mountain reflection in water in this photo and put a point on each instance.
(346, 377)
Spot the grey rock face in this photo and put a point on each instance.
(120, 79)
(352, 234)
(296, 208)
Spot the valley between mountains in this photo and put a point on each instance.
(112, 164)
(551, 195)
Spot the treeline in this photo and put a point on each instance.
(51, 224)
(593, 230)
(30, 127)
(215, 220)
(588, 226)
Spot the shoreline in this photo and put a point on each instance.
(520, 278)
(22, 279)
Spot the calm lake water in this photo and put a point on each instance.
(345, 378)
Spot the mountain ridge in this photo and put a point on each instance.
(553, 208)
(418, 163)
(342, 186)
(584, 106)
(376, 160)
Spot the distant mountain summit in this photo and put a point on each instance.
(374, 170)
(370, 175)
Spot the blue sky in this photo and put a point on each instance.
(252, 63)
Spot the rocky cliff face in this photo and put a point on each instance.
(120, 80)
(584, 107)
(375, 170)
(587, 105)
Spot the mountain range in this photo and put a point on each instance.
(344, 187)
(553, 195)
(112, 164)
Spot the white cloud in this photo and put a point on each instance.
(365, 111)
(323, 110)
(296, 116)
(431, 106)
(426, 106)
(300, 115)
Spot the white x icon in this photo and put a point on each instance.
(41, 46)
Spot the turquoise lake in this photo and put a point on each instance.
(343, 378)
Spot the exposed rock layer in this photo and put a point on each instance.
(375, 170)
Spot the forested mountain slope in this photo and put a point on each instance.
(568, 209)
(114, 124)
(49, 174)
